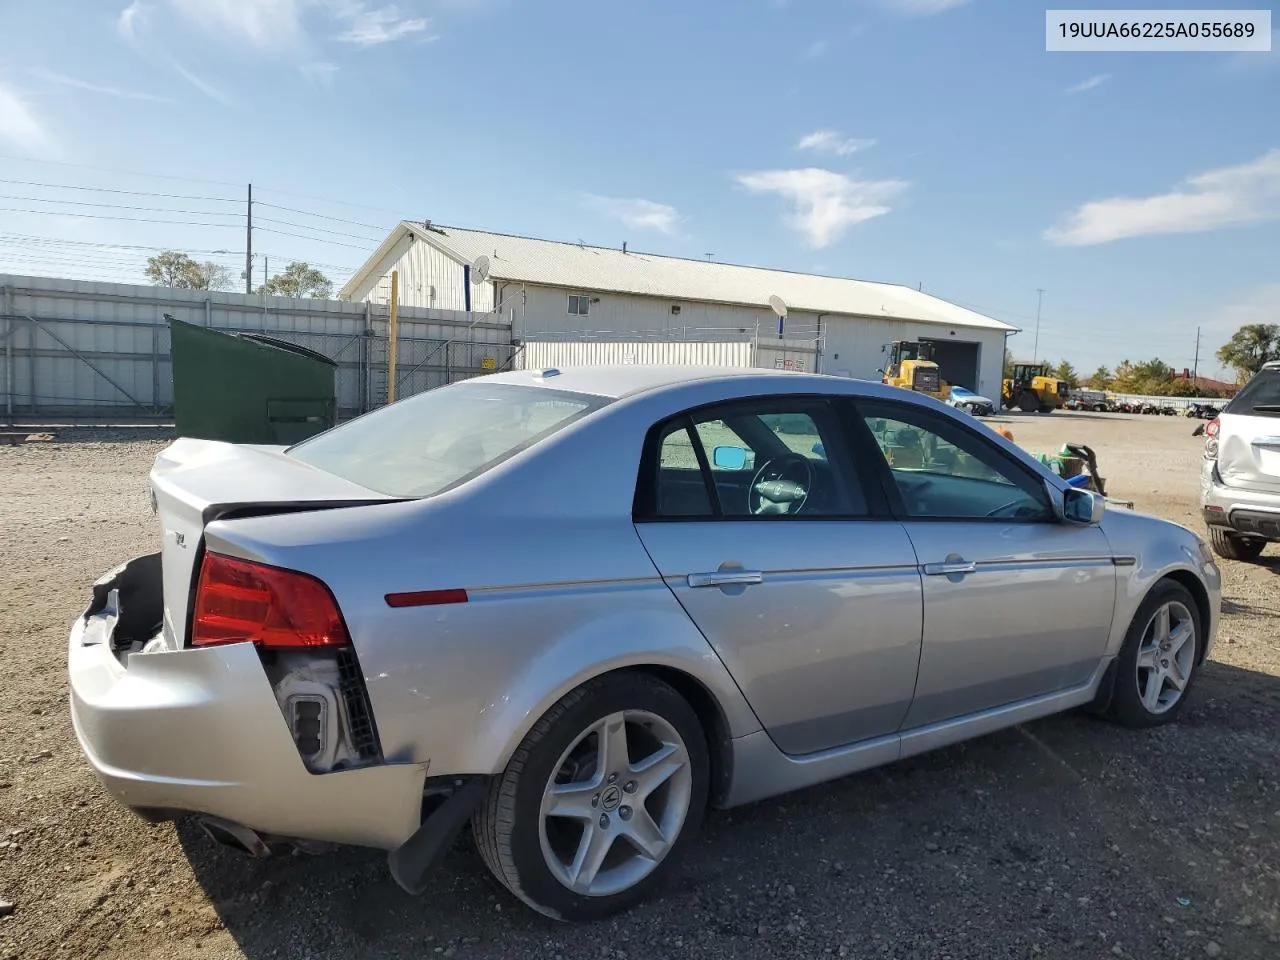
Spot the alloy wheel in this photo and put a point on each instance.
(1166, 657)
(616, 803)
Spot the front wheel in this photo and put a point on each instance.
(600, 799)
(1159, 659)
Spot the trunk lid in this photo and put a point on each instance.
(1249, 435)
(1249, 451)
(195, 482)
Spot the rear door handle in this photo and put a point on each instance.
(950, 568)
(726, 578)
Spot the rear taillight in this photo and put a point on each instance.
(237, 600)
(1211, 439)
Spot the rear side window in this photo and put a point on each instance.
(436, 440)
(1260, 396)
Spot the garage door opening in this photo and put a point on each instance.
(958, 362)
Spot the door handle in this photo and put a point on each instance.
(726, 578)
(950, 568)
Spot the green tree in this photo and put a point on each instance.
(1100, 379)
(1008, 364)
(1066, 372)
(1250, 347)
(172, 268)
(298, 280)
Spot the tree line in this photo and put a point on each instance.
(172, 268)
(1248, 349)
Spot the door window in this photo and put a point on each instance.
(942, 470)
(768, 458)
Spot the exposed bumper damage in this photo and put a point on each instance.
(203, 731)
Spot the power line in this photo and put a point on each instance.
(120, 206)
(88, 243)
(126, 173)
(321, 216)
(100, 216)
(298, 236)
(132, 193)
(307, 226)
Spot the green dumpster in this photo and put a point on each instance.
(247, 387)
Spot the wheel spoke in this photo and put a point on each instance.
(611, 732)
(572, 800)
(1176, 676)
(1179, 636)
(1161, 624)
(1147, 657)
(592, 849)
(657, 768)
(1152, 689)
(645, 835)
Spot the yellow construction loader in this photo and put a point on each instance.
(1033, 389)
(911, 366)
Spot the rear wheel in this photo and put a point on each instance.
(600, 799)
(1159, 658)
(1232, 546)
(1028, 402)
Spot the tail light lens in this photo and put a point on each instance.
(1211, 439)
(237, 600)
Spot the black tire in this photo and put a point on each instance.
(1232, 546)
(506, 827)
(1028, 402)
(1126, 706)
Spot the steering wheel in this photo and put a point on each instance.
(781, 485)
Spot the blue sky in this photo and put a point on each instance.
(914, 141)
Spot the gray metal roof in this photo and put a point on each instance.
(610, 270)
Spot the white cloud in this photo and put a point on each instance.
(921, 8)
(1216, 198)
(20, 127)
(130, 19)
(825, 203)
(832, 144)
(208, 89)
(637, 213)
(368, 28)
(1256, 306)
(816, 49)
(264, 23)
(66, 81)
(320, 73)
(1092, 83)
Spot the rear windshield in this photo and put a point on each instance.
(431, 442)
(1261, 395)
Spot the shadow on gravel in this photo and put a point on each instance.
(104, 434)
(1066, 837)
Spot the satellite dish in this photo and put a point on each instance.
(779, 305)
(480, 269)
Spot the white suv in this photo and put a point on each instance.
(1240, 481)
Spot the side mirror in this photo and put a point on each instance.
(729, 458)
(1083, 507)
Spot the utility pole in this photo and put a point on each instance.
(1035, 350)
(248, 248)
(1195, 369)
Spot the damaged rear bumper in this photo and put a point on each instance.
(200, 731)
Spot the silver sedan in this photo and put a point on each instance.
(576, 608)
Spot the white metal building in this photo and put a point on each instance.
(552, 290)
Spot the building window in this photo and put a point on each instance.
(579, 306)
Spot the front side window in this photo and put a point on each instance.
(773, 457)
(944, 471)
(435, 440)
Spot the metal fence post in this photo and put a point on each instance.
(155, 368)
(10, 328)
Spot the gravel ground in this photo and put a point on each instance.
(1068, 837)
